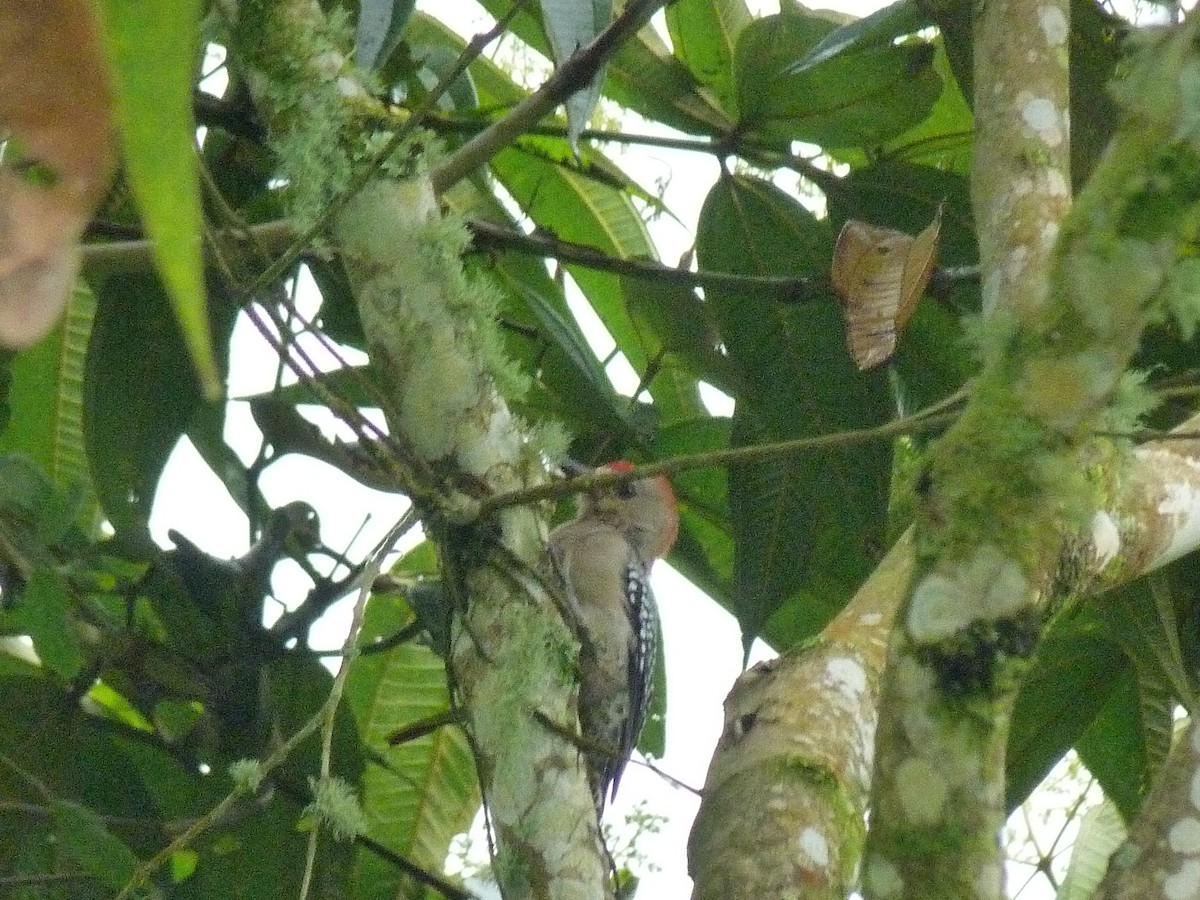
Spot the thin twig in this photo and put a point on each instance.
(32, 780)
(438, 883)
(794, 289)
(280, 755)
(371, 570)
(270, 236)
(932, 417)
(668, 777)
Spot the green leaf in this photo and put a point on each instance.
(45, 396)
(496, 89)
(44, 613)
(1076, 675)
(1118, 746)
(85, 838)
(380, 24)
(880, 27)
(678, 332)
(703, 34)
(1097, 46)
(808, 527)
(571, 25)
(152, 51)
(424, 791)
(906, 197)
(40, 516)
(1141, 616)
(942, 140)
(703, 552)
(581, 209)
(789, 89)
(1100, 833)
(643, 76)
(139, 396)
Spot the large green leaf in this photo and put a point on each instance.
(1124, 745)
(808, 527)
(942, 140)
(703, 551)
(152, 52)
(44, 396)
(570, 26)
(703, 34)
(1143, 619)
(380, 24)
(139, 394)
(1078, 672)
(643, 76)
(905, 196)
(788, 88)
(420, 794)
(681, 338)
(581, 209)
(495, 87)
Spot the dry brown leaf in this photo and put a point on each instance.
(880, 274)
(54, 108)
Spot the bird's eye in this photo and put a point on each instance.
(625, 490)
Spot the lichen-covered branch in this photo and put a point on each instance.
(1005, 483)
(985, 543)
(785, 796)
(797, 729)
(432, 336)
(1020, 179)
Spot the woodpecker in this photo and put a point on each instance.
(604, 556)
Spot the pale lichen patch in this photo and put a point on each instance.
(938, 609)
(847, 676)
(1184, 884)
(1184, 836)
(1106, 539)
(1043, 118)
(1054, 25)
(1057, 185)
(814, 848)
(988, 882)
(988, 586)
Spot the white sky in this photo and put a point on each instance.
(702, 645)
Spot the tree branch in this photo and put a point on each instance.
(569, 77)
(1068, 300)
(488, 235)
